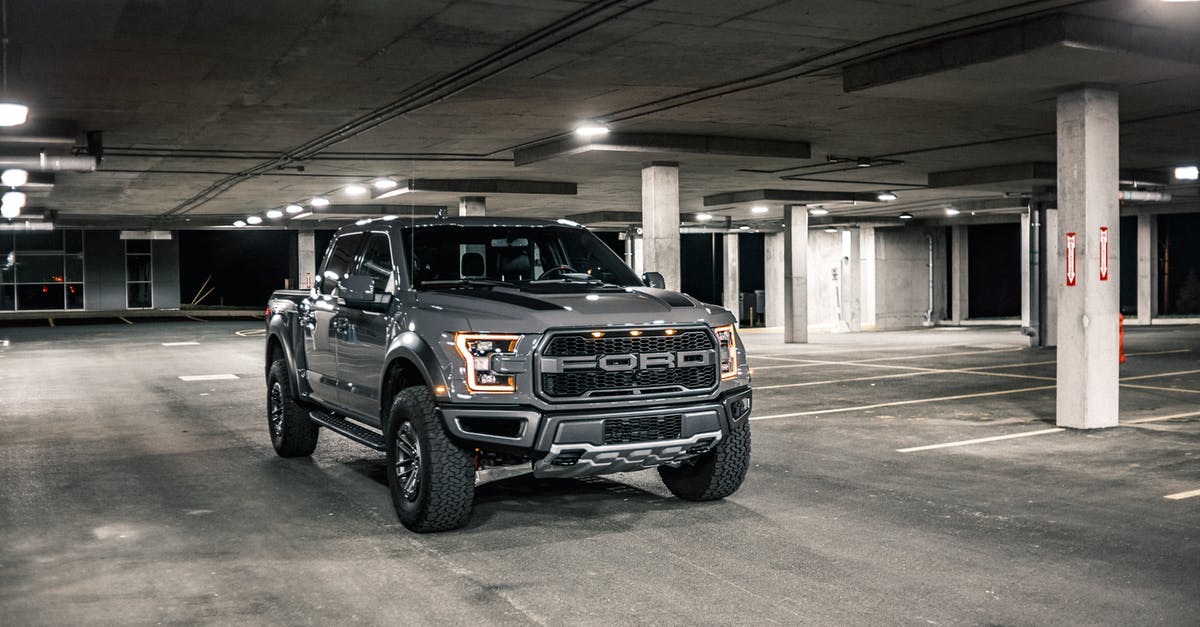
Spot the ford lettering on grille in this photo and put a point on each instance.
(579, 365)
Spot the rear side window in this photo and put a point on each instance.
(377, 263)
(337, 265)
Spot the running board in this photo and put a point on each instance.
(355, 432)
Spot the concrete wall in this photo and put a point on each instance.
(104, 271)
(901, 278)
(825, 261)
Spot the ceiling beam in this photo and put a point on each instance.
(797, 196)
(478, 187)
(663, 143)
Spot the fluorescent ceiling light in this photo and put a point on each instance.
(13, 114)
(591, 129)
(293, 209)
(253, 220)
(760, 209)
(355, 190)
(319, 201)
(16, 199)
(818, 211)
(1184, 173)
(385, 183)
(14, 177)
(239, 223)
(274, 214)
(951, 211)
(886, 196)
(906, 216)
(703, 217)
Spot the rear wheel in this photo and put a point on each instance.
(292, 433)
(715, 474)
(431, 479)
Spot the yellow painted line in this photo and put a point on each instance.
(818, 412)
(1190, 414)
(1159, 388)
(1164, 374)
(995, 438)
(1178, 496)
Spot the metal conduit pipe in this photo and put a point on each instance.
(49, 163)
(1138, 195)
(929, 311)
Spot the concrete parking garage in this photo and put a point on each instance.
(141, 488)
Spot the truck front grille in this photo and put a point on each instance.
(662, 364)
(645, 429)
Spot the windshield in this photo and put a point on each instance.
(521, 255)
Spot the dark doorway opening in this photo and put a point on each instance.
(241, 267)
(994, 270)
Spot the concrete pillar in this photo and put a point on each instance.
(1147, 268)
(1088, 134)
(852, 279)
(306, 258)
(1051, 277)
(472, 205)
(660, 220)
(795, 275)
(1027, 264)
(866, 260)
(773, 278)
(732, 286)
(958, 274)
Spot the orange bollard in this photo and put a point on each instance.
(1121, 338)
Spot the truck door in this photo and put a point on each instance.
(361, 348)
(323, 320)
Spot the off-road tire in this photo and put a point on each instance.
(715, 474)
(292, 433)
(445, 486)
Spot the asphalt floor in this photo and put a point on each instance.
(131, 496)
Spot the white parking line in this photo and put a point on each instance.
(818, 412)
(181, 343)
(207, 377)
(1164, 374)
(1158, 388)
(994, 438)
(1182, 495)
(1190, 414)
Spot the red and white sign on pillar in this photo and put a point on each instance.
(307, 281)
(1071, 274)
(1104, 253)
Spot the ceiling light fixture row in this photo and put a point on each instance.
(13, 201)
(296, 208)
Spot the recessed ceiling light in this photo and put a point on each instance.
(13, 114)
(1183, 172)
(906, 216)
(355, 190)
(951, 211)
(9, 211)
(886, 196)
(760, 209)
(15, 199)
(274, 214)
(385, 183)
(293, 209)
(830, 229)
(744, 227)
(818, 211)
(253, 220)
(703, 217)
(319, 201)
(591, 129)
(14, 177)
(239, 223)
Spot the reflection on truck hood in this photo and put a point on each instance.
(516, 311)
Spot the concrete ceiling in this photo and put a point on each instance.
(216, 109)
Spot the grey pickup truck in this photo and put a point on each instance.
(468, 348)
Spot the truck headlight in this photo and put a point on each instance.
(727, 349)
(477, 350)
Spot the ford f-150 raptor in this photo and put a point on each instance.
(466, 345)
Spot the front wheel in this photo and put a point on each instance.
(431, 479)
(715, 474)
(292, 433)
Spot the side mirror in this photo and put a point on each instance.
(358, 291)
(655, 280)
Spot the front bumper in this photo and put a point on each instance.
(573, 444)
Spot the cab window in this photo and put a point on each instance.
(377, 263)
(337, 265)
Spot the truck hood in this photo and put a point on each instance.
(510, 310)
